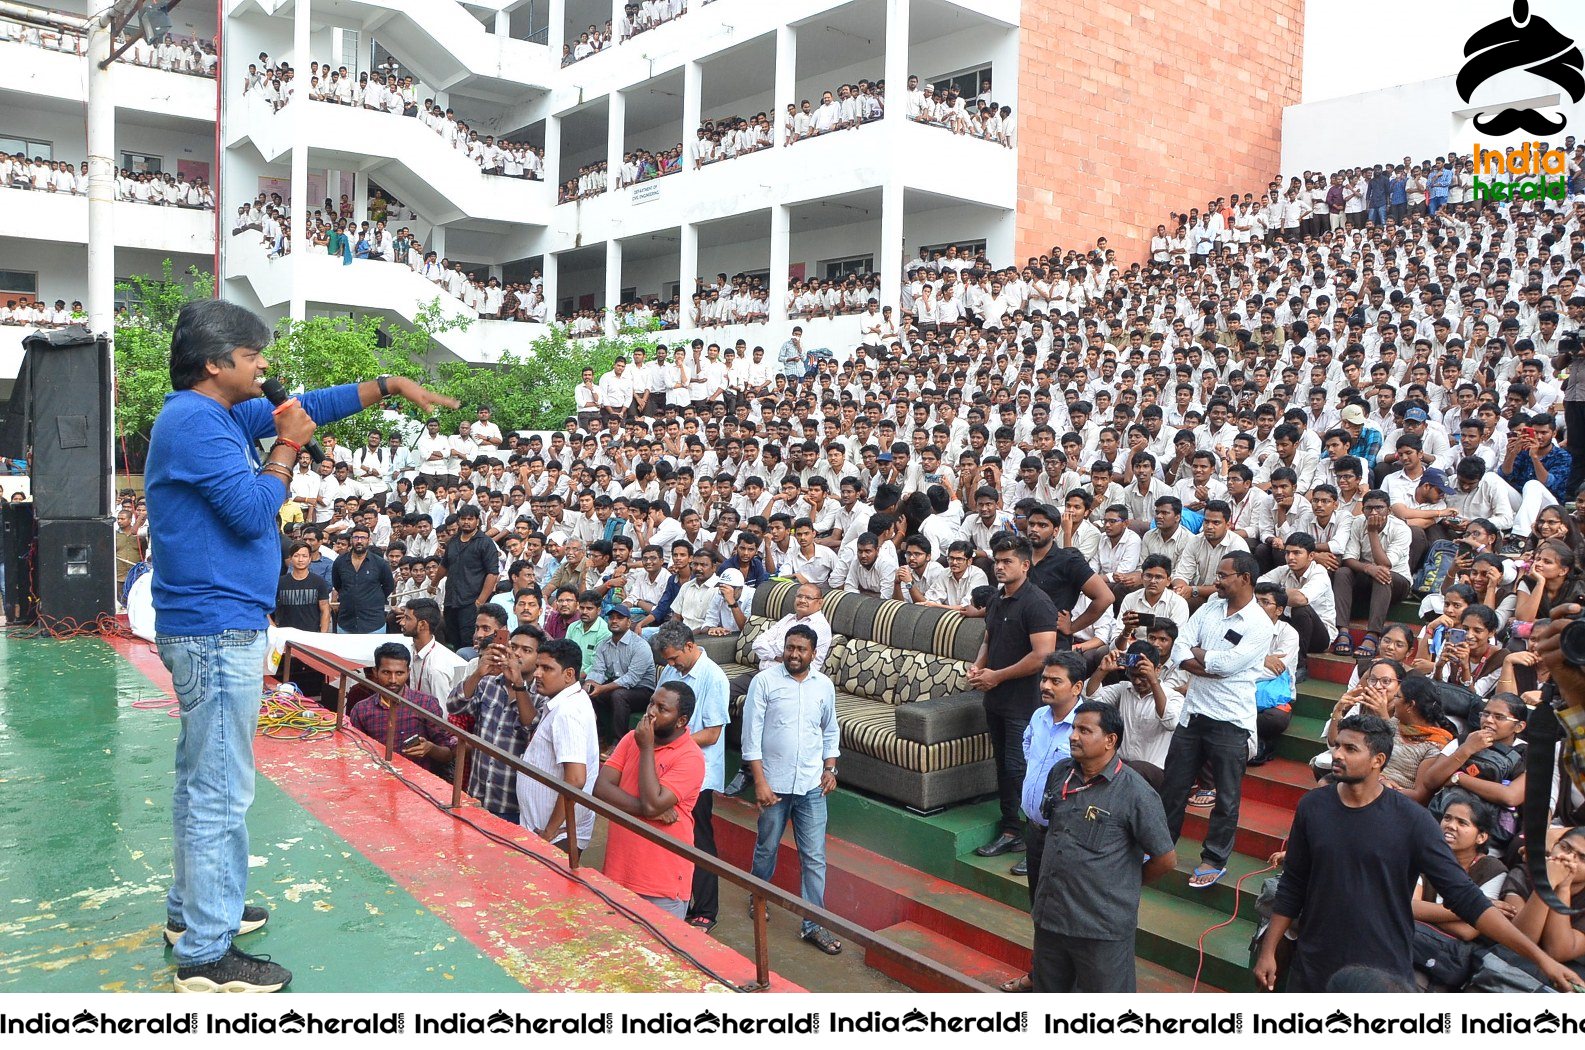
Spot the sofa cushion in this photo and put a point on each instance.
(870, 728)
(753, 627)
(871, 669)
(926, 675)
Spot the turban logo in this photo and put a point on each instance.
(1521, 42)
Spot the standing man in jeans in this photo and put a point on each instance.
(212, 521)
(1222, 649)
(790, 740)
(1020, 629)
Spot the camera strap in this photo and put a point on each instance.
(1542, 733)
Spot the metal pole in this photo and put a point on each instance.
(101, 210)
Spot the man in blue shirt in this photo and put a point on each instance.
(212, 525)
(685, 662)
(790, 739)
(1536, 466)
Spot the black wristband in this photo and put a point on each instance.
(384, 383)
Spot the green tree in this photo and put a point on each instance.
(143, 345)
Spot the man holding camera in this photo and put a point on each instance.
(1150, 707)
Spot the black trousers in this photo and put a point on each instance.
(1314, 636)
(706, 885)
(1034, 849)
(613, 711)
(1223, 747)
(459, 625)
(1346, 581)
(1080, 964)
(1007, 748)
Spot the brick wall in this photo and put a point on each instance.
(1131, 111)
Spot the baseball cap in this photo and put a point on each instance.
(619, 610)
(1436, 476)
(1354, 414)
(730, 578)
(1416, 415)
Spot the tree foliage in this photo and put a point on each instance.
(528, 391)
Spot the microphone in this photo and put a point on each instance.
(276, 393)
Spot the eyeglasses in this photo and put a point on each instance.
(1386, 682)
(1496, 716)
(1229, 575)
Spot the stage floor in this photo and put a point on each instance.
(370, 887)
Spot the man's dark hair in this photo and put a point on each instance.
(804, 631)
(567, 655)
(208, 332)
(1017, 544)
(1111, 717)
(392, 651)
(1376, 730)
(427, 610)
(494, 612)
(1070, 661)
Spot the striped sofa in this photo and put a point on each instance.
(912, 731)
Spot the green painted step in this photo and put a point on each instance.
(1302, 741)
(1220, 896)
(1315, 698)
(1170, 928)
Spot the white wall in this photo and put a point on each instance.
(62, 268)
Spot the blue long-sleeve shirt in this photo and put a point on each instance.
(212, 517)
(1558, 462)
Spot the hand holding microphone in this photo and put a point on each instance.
(292, 421)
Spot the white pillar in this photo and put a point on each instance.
(891, 244)
(896, 66)
(437, 241)
(360, 195)
(503, 23)
(298, 132)
(615, 137)
(692, 102)
(786, 79)
(613, 283)
(780, 260)
(332, 187)
(556, 38)
(101, 184)
(548, 274)
(687, 268)
(553, 155)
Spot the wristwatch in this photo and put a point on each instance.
(1455, 778)
(831, 769)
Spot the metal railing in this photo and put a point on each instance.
(761, 893)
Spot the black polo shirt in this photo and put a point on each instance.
(467, 564)
(1092, 868)
(1009, 623)
(361, 591)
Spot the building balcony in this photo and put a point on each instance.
(406, 157)
(61, 78)
(63, 218)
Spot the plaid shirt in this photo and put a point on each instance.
(491, 781)
(1366, 448)
(1558, 462)
(370, 717)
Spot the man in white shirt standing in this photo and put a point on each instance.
(566, 743)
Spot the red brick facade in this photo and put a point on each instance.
(1130, 111)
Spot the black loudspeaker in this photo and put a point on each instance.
(155, 23)
(16, 555)
(59, 420)
(76, 572)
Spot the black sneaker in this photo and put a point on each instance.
(253, 918)
(236, 971)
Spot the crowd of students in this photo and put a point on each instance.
(172, 52)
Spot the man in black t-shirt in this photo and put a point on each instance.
(1020, 629)
(302, 598)
(1063, 574)
(473, 565)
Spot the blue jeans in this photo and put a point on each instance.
(1376, 213)
(218, 680)
(808, 815)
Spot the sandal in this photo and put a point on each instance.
(821, 938)
(701, 922)
(1204, 877)
(1366, 649)
(1203, 798)
(1343, 645)
(1026, 983)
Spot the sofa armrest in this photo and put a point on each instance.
(942, 718)
(720, 648)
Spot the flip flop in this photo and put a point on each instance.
(1343, 645)
(1204, 878)
(1203, 798)
(821, 938)
(701, 922)
(1025, 983)
(1366, 649)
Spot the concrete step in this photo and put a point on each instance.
(937, 946)
(1221, 896)
(1302, 740)
(1262, 827)
(1171, 929)
(1280, 782)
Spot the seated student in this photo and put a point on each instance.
(1275, 686)
(1553, 580)
(1309, 598)
(1421, 728)
(1560, 936)
(1375, 560)
(1490, 763)
(427, 743)
(1476, 662)
(1466, 824)
(1455, 601)
(1153, 603)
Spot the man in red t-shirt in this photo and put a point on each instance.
(655, 773)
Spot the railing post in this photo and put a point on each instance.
(341, 700)
(390, 734)
(574, 850)
(759, 906)
(459, 761)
